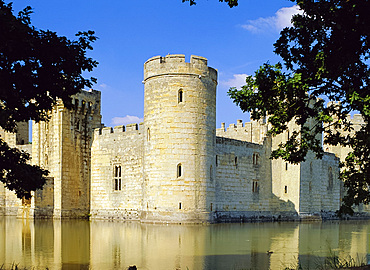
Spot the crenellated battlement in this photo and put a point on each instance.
(355, 119)
(174, 64)
(89, 100)
(254, 131)
(128, 129)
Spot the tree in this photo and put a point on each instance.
(325, 56)
(37, 67)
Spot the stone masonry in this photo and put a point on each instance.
(175, 166)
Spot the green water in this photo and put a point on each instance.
(113, 245)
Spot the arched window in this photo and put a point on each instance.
(179, 170)
(180, 96)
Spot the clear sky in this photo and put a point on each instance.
(236, 42)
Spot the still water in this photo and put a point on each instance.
(76, 244)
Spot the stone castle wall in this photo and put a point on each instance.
(243, 185)
(254, 131)
(117, 172)
(175, 166)
(10, 204)
(63, 146)
(180, 123)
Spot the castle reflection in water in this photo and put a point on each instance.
(77, 244)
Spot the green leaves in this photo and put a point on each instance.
(17, 174)
(37, 68)
(325, 55)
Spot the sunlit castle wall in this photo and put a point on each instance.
(180, 123)
(117, 172)
(63, 146)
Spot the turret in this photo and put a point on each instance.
(180, 124)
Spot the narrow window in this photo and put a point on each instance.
(288, 135)
(330, 180)
(148, 135)
(180, 205)
(179, 170)
(117, 179)
(286, 166)
(216, 160)
(236, 162)
(211, 207)
(286, 189)
(180, 96)
(211, 173)
(255, 158)
(255, 186)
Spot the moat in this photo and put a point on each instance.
(80, 244)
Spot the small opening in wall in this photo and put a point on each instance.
(211, 173)
(216, 160)
(236, 162)
(255, 158)
(179, 170)
(117, 180)
(211, 207)
(255, 187)
(148, 135)
(180, 96)
(79, 193)
(330, 180)
(180, 205)
(286, 166)
(286, 189)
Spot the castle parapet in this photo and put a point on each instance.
(89, 100)
(130, 128)
(174, 64)
(254, 131)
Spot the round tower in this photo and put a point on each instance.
(180, 123)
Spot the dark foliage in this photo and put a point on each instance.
(325, 56)
(37, 67)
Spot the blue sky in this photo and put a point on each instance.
(236, 42)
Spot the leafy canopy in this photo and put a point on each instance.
(37, 67)
(325, 56)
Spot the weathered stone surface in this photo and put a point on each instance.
(175, 166)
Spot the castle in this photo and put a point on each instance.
(175, 166)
